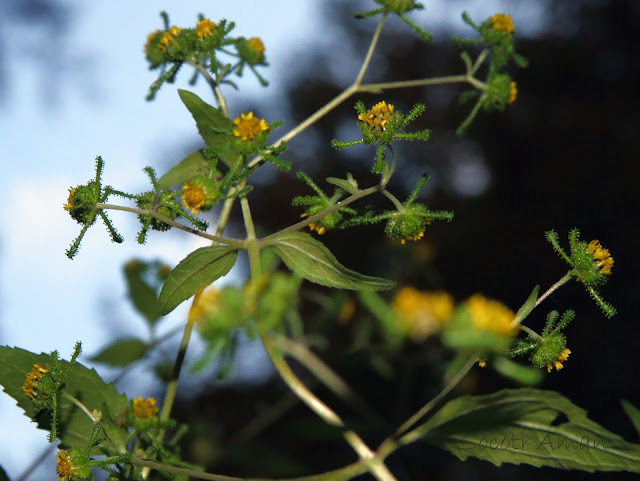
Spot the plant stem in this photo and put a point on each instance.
(372, 47)
(252, 243)
(81, 406)
(566, 278)
(221, 240)
(393, 199)
(446, 390)
(374, 464)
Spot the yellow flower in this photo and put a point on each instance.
(193, 197)
(64, 470)
(492, 316)
(206, 304)
(30, 386)
(167, 36)
(69, 204)
(503, 22)
(205, 27)
(601, 256)
(150, 37)
(256, 45)
(513, 92)
(377, 116)
(562, 357)
(481, 362)
(249, 127)
(423, 313)
(144, 408)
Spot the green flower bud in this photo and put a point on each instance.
(410, 224)
(166, 206)
(551, 351)
(72, 465)
(82, 201)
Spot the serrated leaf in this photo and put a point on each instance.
(311, 260)
(633, 413)
(194, 272)
(212, 124)
(74, 427)
(143, 295)
(184, 171)
(528, 306)
(122, 352)
(530, 426)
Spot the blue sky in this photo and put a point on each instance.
(49, 302)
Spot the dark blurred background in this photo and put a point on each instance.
(563, 155)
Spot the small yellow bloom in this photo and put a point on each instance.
(564, 355)
(513, 92)
(601, 256)
(150, 37)
(423, 313)
(144, 408)
(492, 316)
(503, 22)
(481, 362)
(64, 470)
(168, 36)
(205, 27)
(256, 45)
(249, 127)
(69, 204)
(206, 304)
(193, 197)
(30, 386)
(377, 116)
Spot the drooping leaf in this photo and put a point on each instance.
(184, 171)
(214, 128)
(74, 427)
(633, 413)
(194, 272)
(530, 426)
(122, 352)
(529, 304)
(143, 295)
(310, 259)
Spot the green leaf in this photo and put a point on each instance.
(310, 259)
(527, 375)
(212, 126)
(530, 426)
(633, 413)
(528, 306)
(74, 427)
(122, 352)
(348, 185)
(3, 475)
(194, 272)
(143, 295)
(185, 170)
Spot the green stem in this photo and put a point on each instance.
(566, 278)
(342, 474)
(372, 47)
(221, 240)
(446, 390)
(81, 406)
(308, 220)
(393, 199)
(252, 243)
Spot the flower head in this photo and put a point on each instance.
(492, 316)
(377, 116)
(72, 465)
(63, 466)
(168, 36)
(513, 92)
(204, 28)
(423, 313)
(145, 408)
(30, 386)
(249, 127)
(150, 38)
(502, 22)
(601, 257)
(206, 304)
(193, 197)
(562, 357)
(256, 45)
